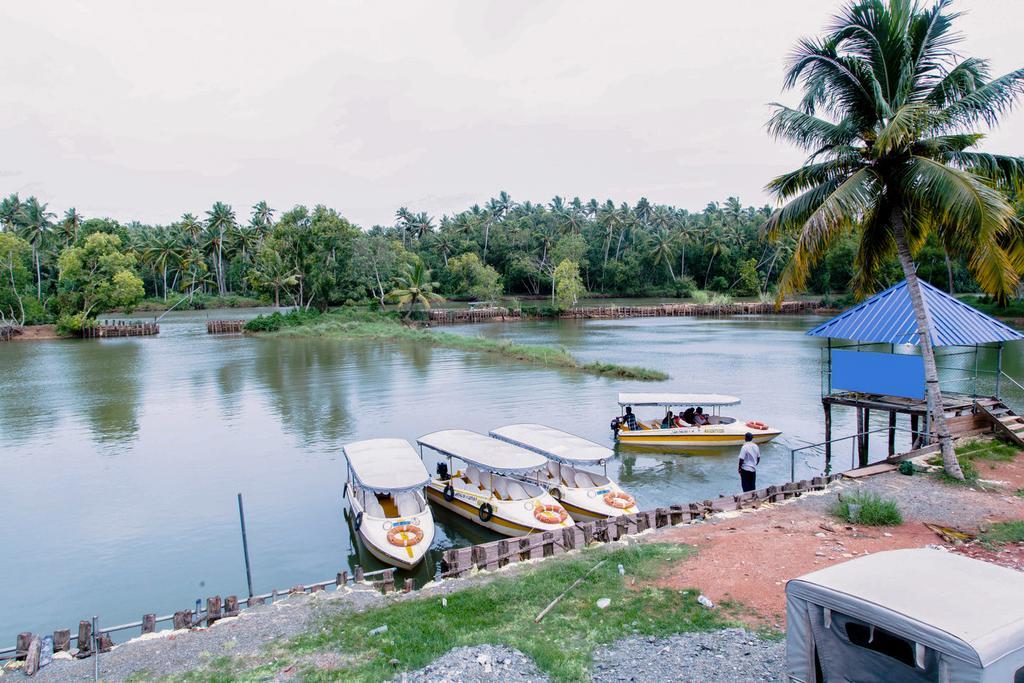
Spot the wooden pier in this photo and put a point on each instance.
(447, 316)
(225, 326)
(120, 328)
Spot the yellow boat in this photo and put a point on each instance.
(720, 432)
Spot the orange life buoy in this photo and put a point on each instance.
(754, 424)
(405, 535)
(550, 514)
(619, 499)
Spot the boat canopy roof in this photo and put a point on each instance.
(483, 451)
(669, 400)
(554, 443)
(386, 465)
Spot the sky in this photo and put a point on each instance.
(143, 110)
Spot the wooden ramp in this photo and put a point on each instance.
(1004, 420)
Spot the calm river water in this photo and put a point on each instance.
(122, 457)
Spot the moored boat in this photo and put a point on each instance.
(386, 480)
(488, 489)
(720, 432)
(584, 494)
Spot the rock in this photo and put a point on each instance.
(705, 601)
(603, 603)
(378, 630)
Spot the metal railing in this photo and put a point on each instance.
(887, 430)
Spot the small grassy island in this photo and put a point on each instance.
(360, 324)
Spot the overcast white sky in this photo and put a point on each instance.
(145, 110)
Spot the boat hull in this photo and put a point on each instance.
(709, 437)
(510, 518)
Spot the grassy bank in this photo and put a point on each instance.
(368, 325)
(499, 612)
(199, 302)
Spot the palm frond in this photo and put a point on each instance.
(1004, 172)
(903, 128)
(964, 78)
(812, 175)
(875, 247)
(987, 102)
(806, 130)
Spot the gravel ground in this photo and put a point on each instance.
(731, 655)
(479, 664)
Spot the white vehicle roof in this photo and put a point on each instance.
(386, 465)
(939, 598)
(554, 443)
(669, 400)
(483, 451)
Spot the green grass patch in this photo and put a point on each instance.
(988, 451)
(501, 612)
(374, 326)
(874, 510)
(1004, 532)
(1019, 493)
(985, 304)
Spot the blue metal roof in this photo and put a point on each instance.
(888, 317)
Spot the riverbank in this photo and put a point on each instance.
(366, 325)
(35, 333)
(482, 627)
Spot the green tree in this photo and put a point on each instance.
(220, 223)
(568, 284)
(749, 282)
(35, 224)
(466, 275)
(415, 288)
(270, 273)
(15, 279)
(96, 277)
(663, 250)
(893, 161)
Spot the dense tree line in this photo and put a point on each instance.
(316, 258)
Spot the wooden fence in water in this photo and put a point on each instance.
(120, 328)
(448, 316)
(225, 326)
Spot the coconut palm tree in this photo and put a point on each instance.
(415, 288)
(69, 227)
(164, 251)
(889, 115)
(9, 208)
(191, 226)
(35, 224)
(663, 250)
(220, 222)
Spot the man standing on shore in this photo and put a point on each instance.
(750, 456)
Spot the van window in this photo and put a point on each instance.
(1019, 676)
(884, 642)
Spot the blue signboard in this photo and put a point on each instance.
(878, 373)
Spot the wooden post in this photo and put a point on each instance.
(24, 639)
(182, 619)
(892, 433)
(253, 601)
(359, 574)
(35, 646)
(212, 609)
(84, 638)
(231, 606)
(865, 454)
(388, 579)
(828, 435)
(62, 640)
(104, 642)
(342, 579)
(913, 430)
(148, 624)
(503, 552)
(409, 585)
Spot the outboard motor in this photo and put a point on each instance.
(442, 471)
(616, 421)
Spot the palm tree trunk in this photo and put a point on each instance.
(39, 277)
(487, 236)
(708, 273)
(165, 282)
(937, 416)
(949, 271)
(682, 261)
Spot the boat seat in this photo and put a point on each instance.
(373, 506)
(553, 470)
(516, 491)
(473, 474)
(407, 504)
(584, 481)
(501, 488)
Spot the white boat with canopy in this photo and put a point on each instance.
(586, 495)
(719, 431)
(386, 480)
(489, 489)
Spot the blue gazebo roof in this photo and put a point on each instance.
(888, 317)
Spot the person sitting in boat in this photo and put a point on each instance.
(688, 417)
(699, 418)
(629, 419)
(679, 421)
(668, 422)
